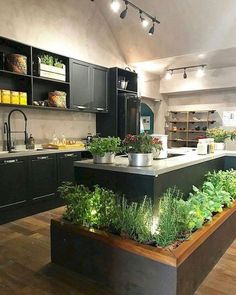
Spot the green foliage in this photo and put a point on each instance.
(99, 146)
(219, 134)
(141, 143)
(51, 61)
(224, 179)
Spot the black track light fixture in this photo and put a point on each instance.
(185, 76)
(144, 21)
(124, 12)
(152, 29)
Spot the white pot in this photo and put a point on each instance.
(108, 158)
(219, 146)
(140, 160)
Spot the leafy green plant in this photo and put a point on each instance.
(99, 146)
(51, 61)
(141, 143)
(219, 134)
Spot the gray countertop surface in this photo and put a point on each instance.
(6, 155)
(159, 166)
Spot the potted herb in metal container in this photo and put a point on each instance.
(140, 149)
(104, 149)
(220, 135)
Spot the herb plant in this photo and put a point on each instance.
(51, 61)
(142, 143)
(100, 146)
(219, 134)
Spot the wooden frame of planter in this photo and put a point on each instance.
(130, 268)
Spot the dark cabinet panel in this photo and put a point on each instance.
(100, 88)
(65, 166)
(43, 177)
(80, 92)
(13, 182)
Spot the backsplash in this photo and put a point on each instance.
(44, 123)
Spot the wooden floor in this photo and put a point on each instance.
(25, 266)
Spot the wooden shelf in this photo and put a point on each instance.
(126, 91)
(50, 80)
(13, 74)
(183, 140)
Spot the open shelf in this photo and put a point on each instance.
(50, 80)
(13, 74)
(126, 91)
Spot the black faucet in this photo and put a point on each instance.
(8, 131)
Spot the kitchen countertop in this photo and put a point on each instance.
(26, 153)
(159, 166)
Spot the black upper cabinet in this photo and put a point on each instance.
(43, 177)
(65, 166)
(13, 182)
(89, 86)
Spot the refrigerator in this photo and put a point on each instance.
(129, 107)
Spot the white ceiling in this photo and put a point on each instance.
(188, 28)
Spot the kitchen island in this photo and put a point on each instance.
(181, 171)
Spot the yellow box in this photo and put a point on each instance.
(15, 97)
(6, 96)
(23, 98)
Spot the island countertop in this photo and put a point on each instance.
(159, 166)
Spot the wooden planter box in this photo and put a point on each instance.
(129, 268)
(51, 72)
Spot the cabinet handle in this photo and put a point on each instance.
(69, 155)
(81, 107)
(100, 109)
(43, 158)
(10, 161)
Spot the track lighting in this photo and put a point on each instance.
(185, 76)
(201, 72)
(169, 75)
(124, 12)
(152, 29)
(115, 5)
(144, 22)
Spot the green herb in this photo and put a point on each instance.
(51, 61)
(99, 146)
(219, 134)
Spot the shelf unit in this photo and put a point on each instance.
(38, 87)
(186, 127)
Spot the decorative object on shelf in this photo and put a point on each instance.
(5, 96)
(23, 98)
(16, 63)
(200, 72)
(122, 83)
(57, 99)
(220, 135)
(115, 6)
(140, 149)
(104, 149)
(50, 67)
(15, 98)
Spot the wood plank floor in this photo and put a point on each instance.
(25, 267)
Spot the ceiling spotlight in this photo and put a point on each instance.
(201, 72)
(185, 76)
(169, 75)
(124, 12)
(152, 29)
(115, 5)
(143, 20)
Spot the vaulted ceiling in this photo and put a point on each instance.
(187, 27)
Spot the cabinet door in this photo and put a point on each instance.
(13, 182)
(43, 177)
(80, 91)
(100, 88)
(65, 164)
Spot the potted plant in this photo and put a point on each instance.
(50, 67)
(219, 135)
(104, 149)
(140, 149)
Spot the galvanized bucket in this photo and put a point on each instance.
(140, 160)
(108, 158)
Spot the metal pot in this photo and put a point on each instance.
(108, 158)
(140, 160)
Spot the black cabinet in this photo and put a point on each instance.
(65, 166)
(89, 87)
(13, 182)
(43, 177)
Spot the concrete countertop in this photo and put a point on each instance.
(159, 166)
(4, 155)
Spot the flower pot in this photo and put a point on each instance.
(140, 160)
(219, 146)
(108, 158)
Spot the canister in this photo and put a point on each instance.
(14, 97)
(6, 96)
(23, 98)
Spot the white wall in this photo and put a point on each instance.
(69, 27)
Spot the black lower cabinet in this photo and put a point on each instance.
(14, 183)
(43, 177)
(65, 166)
